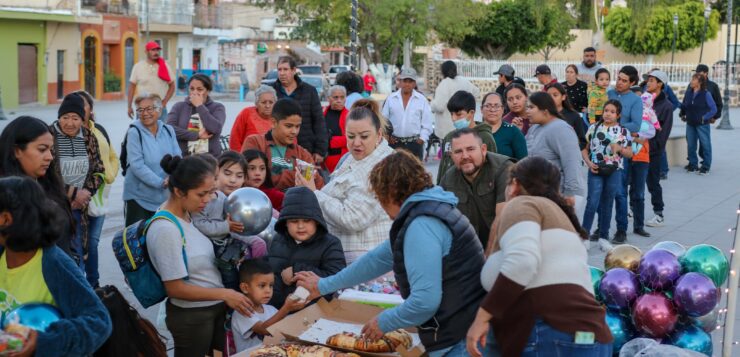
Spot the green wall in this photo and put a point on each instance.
(15, 32)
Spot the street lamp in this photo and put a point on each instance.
(725, 122)
(707, 12)
(675, 35)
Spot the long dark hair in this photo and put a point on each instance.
(538, 177)
(132, 335)
(17, 135)
(566, 103)
(543, 101)
(253, 154)
(36, 220)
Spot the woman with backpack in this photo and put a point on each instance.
(184, 259)
(34, 270)
(147, 141)
(96, 209)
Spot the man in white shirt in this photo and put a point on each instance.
(587, 69)
(151, 76)
(410, 114)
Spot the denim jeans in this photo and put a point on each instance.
(601, 193)
(460, 349)
(78, 251)
(653, 184)
(546, 341)
(94, 229)
(638, 179)
(664, 164)
(699, 134)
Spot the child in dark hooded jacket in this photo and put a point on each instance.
(302, 243)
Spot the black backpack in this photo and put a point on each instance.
(123, 157)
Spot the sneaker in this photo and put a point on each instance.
(656, 221)
(703, 171)
(663, 176)
(605, 246)
(691, 168)
(620, 237)
(641, 232)
(594, 237)
(629, 214)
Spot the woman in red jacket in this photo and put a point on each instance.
(336, 116)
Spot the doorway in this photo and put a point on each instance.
(196, 60)
(128, 60)
(28, 83)
(60, 74)
(90, 65)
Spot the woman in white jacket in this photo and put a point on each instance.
(351, 210)
(445, 89)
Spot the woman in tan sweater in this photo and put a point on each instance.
(539, 304)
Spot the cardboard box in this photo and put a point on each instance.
(385, 301)
(291, 327)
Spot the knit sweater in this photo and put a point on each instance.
(525, 285)
(85, 324)
(510, 141)
(247, 123)
(212, 117)
(557, 142)
(631, 117)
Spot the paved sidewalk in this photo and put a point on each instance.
(699, 209)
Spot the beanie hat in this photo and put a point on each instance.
(72, 103)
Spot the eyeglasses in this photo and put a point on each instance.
(150, 110)
(492, 106)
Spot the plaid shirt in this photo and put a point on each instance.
(351, 210)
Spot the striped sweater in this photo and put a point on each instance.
(541, 271)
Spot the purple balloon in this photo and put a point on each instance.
(659, 269)
(619, 288)
(695, 294)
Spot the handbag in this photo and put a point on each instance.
(606, 169)
(97, 206)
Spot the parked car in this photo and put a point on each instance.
(270, 77)
(318, 82)
(311, 70)
(334, 70)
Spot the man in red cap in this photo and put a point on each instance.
(151, 76)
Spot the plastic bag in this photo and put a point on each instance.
(646, 347)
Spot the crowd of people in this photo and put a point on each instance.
(352, 202)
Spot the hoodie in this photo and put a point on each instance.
(427, 243)
(321, 254)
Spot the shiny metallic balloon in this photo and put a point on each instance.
(708, 322)
(692, 338)
(654, 315)
(596, 275)
(676, 248)
(621, 328)
(708, 260)
(659, 269)
(623, 256)
(619, 288)
(269, 233)
(34, 315)
(250, 207)
(695, 295)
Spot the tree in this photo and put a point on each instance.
(655, 35)
(558, 37)
(511, 26)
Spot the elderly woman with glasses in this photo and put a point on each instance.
(509, 139)
(256, 119)
(146, 142)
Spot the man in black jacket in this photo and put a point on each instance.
(713, 89)
(313, 136)
(505, 79)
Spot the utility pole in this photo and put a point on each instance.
(725, 122)
(707, 13)
(353, 38)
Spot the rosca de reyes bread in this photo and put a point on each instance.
(387, 343)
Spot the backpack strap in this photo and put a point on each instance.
(167, 215)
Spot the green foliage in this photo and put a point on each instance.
(111, 83)
(655, 34)
(721, 6)
(511, 26)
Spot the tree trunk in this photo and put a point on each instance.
(394, 54)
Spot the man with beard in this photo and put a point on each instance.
(151, 76)
(478, 179)
(587, 69)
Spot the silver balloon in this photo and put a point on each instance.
(708, 322)
(269, 233)
(250, 207)
(676, 248)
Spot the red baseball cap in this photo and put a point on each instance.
(152, 45)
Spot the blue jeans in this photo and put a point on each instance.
(601, 193)
(546, 341)
(664, 164)
(94, 228)
(699, 134)
(620, 199)
(78, 251)
(243, 90)
(638, 173)
(460, 350)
